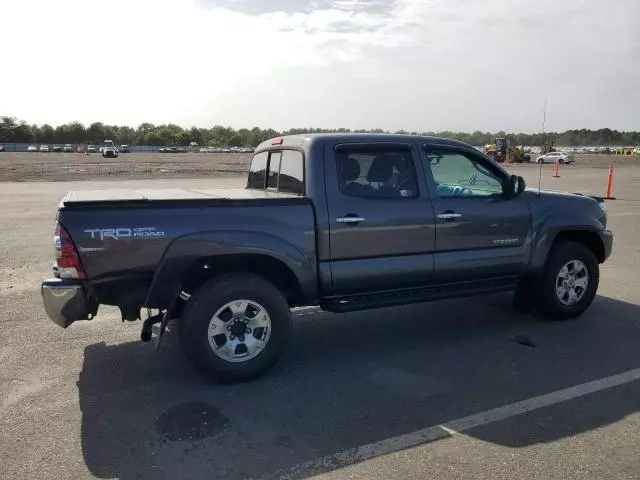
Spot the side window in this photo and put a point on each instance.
(274, 169)
(376, 173)
(258, 171)
(291, 172)
(461, 175)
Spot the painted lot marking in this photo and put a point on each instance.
(448, 429)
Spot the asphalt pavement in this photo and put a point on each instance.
(455, 389)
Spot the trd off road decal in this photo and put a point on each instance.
(124, 232)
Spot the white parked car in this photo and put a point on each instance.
(553, 157)
(44, 148)
(108, 149)
(32, 148)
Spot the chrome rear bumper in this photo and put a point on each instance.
(65, 301)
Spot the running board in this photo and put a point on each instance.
(388, 298)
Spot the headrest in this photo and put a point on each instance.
(349, 169)
(380, 170)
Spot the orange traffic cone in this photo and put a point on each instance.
(607, 194)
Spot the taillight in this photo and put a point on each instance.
(67, 259)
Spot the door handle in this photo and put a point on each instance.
(449, 216)
(350, 220)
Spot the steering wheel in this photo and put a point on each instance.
(459, 191)
(402, 182)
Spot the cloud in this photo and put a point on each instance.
(413, 64)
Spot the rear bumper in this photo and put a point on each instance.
(65, 301)
(607, 241)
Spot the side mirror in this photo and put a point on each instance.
(516, 186)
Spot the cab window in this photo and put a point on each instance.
(376, 173)
(459, 174)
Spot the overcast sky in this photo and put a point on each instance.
(405, 64)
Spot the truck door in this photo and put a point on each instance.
(480, 232)
(381, 222)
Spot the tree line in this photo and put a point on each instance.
(14, 131)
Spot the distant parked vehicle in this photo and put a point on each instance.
(57, 148)
(1, 148)
(173, 150)
(32, 148)
(204, 150)
(44, 148)
(91, 149)
(109, 150)
(553, 157)
(68, 148)
(124, 149)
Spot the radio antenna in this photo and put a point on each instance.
(544, 120)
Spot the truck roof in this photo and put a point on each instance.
(305, 139)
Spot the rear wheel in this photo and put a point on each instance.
(569, 282)
(235, 327)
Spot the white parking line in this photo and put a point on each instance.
(436, 432)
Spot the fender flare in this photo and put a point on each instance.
(547, 232)
(184, 251)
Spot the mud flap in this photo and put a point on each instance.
(157, 341)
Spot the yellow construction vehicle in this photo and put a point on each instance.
(547, 147)
(503, 151)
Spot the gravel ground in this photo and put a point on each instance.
(22, 166)
(349, 395)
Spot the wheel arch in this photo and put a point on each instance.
(192, 260)
(586, 237)
(585, 234)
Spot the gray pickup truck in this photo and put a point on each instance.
(343, 221)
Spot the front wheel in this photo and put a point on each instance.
(235, 327)
(570, 281)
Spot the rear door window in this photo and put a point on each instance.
(377, 173)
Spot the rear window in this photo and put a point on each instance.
(291, 172)
(274, 169)
(258, 171)
(280, 170)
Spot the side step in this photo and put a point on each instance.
(388, 298)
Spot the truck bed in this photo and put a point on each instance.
(122, 236)
(122, 197)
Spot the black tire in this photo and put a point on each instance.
(562, 253)
(205, 302)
